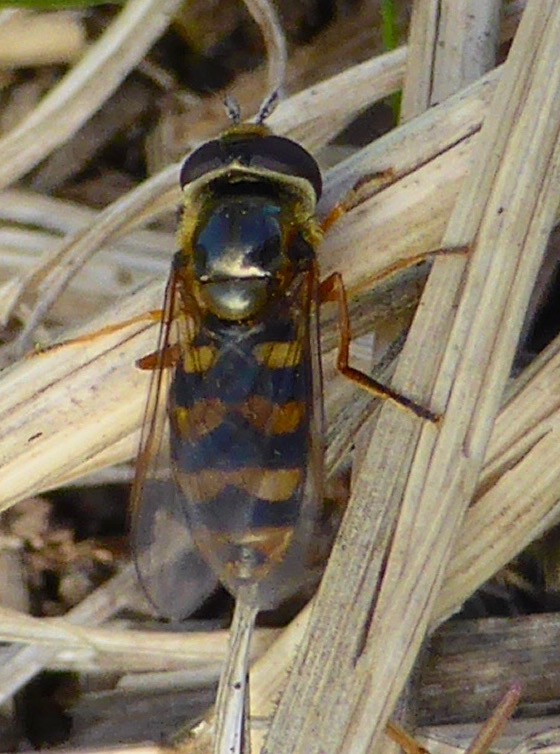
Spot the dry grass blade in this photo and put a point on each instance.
(56, 395)
(126, 749)
(31, 228)
(317, 114)
(97, 607)
(484, 740)
(191, 648)
(87, 85)
(451, 44)
(495, 529)
(544, 743)
(518, 497)
(264, 15)
(77, 407)
(232, 730)
(460, 47)
(467, 41)
(46, 639)
(465, 655)
(425, 163)
(41, 39)
(384, 602)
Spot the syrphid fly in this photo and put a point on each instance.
(238, 365)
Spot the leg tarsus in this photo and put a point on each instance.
(426, 256)
(407, 742)
(483, 741)
(384, 392)
(154, 315)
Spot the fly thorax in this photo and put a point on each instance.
(238, 253)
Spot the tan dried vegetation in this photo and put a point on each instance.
(435, 509)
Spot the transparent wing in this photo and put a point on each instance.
(246, 443)
(172, 573)
(174, 577)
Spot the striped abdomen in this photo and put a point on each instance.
(241, 437)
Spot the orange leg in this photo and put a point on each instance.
(363, 189)
(152, 316)
(332, 289)
(426, 256)
(149, 317)
(402, 264)
(483, 741)
(168, 357)
(407, 742)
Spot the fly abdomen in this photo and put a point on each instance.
(240, 445)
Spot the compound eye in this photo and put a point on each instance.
(274, 153)
(209, 156)
(285, 156)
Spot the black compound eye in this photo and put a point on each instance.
(208, 157)
(288, 157)
(274, 153)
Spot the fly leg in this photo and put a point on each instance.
(355, 197)
(407, 742)
(406, 264)
(167, 357)
(151, 317)
(332, 289)
(363, 189)
(483, 741)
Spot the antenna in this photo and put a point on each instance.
(232, 109)
(267, 107)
